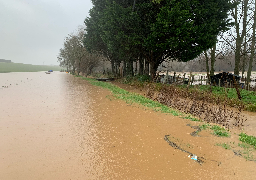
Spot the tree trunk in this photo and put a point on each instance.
(252, 51)
(213, 50)
(244, 58)
(74, 70)
(239, 38)
(237, 57)
(124, 69)
(113, 66)
(146, 70)
(153, 69)
(130, 68)
(78, 69)
(207, 66)
(141, 66)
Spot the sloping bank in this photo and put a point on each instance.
(243, 145)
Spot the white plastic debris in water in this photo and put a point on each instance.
(194, 157)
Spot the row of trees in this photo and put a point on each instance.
(151, 31)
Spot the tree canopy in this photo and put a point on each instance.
(124, 30)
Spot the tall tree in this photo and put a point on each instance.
(239, 37)
(252, 53)
(184, 29)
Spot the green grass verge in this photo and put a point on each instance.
(227, 95)
(19, 67)
(217, 130)
(247, 96)
(129, 97)
(248, 139)
(191, 118)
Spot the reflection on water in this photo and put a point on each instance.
(46, 128)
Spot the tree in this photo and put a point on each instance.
(184, 29)
(252, 47)
(239, 37)
(75, 56)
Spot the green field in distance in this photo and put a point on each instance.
(19, 67)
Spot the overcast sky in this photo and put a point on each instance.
(33, 31)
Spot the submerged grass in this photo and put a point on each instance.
(217, 130)
(133, 98)
(241, 149)
(224, 145)
(191, 118)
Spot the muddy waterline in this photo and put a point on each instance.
(56, 126)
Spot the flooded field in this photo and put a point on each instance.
(57, 126)
(46, 128)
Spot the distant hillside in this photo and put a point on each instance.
(5, 61)
(19, 67)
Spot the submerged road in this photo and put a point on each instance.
(57, 126)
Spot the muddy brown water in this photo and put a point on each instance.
(57, 126)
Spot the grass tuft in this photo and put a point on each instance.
(204, 126)
(219, 131)
(248, 139)
(191, 118)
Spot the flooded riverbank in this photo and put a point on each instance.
(58, 126)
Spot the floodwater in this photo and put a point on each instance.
(57, 126)
(46, 128)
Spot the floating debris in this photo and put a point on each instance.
(195, 133)
(194, 157)
(174, 145)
